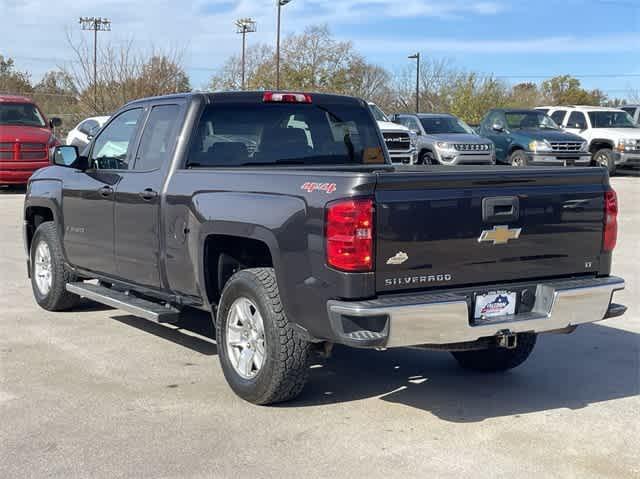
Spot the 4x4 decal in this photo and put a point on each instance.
(326, 187)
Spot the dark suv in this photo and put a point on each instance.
(529, 137)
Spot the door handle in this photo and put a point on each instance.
(500, 209)
(148, 194)
(106, 191)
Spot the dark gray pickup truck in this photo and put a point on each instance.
(281, 214)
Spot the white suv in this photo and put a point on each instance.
(613, 136)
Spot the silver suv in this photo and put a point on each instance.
(445, 139)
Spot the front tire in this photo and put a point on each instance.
(604, 158)
(263, 357)
(427, 158)
(497, 359)
(49, 275)
(518, 158)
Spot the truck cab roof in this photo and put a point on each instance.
(257, 96)
(15, 99)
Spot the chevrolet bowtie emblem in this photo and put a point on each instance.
(500, 234)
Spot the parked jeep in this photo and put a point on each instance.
(446, 140)
(612, 136)
(529, 137)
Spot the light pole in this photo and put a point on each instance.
(244, 26)
(417, 58)
(281, 3)
(96, 24)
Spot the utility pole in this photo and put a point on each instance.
(96, 24)
(244, 26)
(417, 58)
(281, 3)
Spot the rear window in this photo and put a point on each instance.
(241, 134)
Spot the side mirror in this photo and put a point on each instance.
(499, 127)
(68, 156)
(55, 122)
(417, 132)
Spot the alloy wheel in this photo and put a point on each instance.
(602, 160)
(245, 338)
(43, 268)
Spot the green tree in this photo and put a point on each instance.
(567, 90)
(57, 95)
(525, 95)
(310, 61)
(12, 80)
(472, 96)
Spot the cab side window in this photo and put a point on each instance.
(87, 125)
(412, 124)
(558, 116)
(577, 120)
(496, 119)
(111, 148)
(158, 138)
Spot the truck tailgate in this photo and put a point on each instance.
(441, 228)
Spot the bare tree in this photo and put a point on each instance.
(259, 70)
(371, 82)
(436, 80)
(123, 74)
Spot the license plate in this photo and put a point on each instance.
(495, 303)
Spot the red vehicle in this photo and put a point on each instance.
(25, 138)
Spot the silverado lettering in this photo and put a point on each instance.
(417, 279)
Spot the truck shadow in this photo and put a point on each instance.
(194, 330)
(13, 190)
(595, 364)
(628, 172)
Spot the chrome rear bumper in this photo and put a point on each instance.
(446, 318)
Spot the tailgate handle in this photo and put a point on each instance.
(500, 209)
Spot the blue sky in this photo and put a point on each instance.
(518, 39)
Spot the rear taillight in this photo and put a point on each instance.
(281, 97)
(349, 235)
(610, 234)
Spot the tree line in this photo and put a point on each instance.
(310, 61)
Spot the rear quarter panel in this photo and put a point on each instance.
(269, 205)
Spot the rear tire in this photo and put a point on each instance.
(49, 275)
(251, 321)
(604, 158)
(497, 359)
(518, 158)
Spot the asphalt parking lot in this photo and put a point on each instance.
(97, 393)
